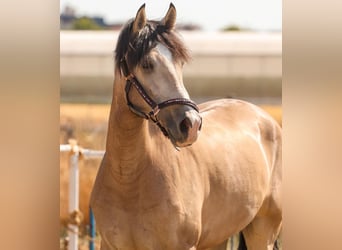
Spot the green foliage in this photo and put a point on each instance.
(232, 28)
(235, 28)
(85, 23)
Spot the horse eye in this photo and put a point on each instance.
(147, 65)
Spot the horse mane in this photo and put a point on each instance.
(136, 46)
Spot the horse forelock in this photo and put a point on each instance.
(136, 46)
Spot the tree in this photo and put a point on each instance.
(234, 27)
(85, 23)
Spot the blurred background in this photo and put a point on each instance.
(236, 49)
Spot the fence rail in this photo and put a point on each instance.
(87, 153)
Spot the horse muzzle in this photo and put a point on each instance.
(184, 128)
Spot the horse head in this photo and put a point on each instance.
(150, 55)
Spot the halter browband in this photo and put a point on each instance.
(156, 107)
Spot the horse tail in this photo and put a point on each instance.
(242, 242)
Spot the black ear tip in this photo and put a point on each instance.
(172, 6)
(142, 6)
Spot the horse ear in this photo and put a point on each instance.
(140, 19)
(169, 20)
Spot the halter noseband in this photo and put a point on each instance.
(155, 107)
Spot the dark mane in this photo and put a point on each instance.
(136, 47)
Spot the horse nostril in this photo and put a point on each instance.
(200, 126)
(185, 125)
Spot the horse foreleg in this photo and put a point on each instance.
(262, 233)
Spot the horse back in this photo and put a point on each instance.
(239, 122)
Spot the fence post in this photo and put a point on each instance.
(92, 230)
(73, 198)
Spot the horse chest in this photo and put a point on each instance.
(163, 226)
(154, 218)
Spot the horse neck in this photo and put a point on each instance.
(127, 137)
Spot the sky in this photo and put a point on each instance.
(211, 15)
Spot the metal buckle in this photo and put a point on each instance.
(129, 77)
(153, 114)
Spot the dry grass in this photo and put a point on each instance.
(87, 124)
(274, 111)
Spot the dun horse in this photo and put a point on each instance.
(177, 176)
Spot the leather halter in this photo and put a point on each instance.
(131, 80)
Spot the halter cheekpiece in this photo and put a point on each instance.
(131, 80)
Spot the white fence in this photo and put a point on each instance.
(75, 217)
(227, 54)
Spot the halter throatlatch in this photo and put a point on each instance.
(131, 80)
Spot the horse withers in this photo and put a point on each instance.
(177, 176)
